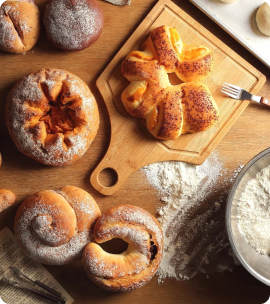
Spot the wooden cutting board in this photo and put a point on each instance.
(131, 146)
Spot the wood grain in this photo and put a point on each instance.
(140, 147)
(248, 136)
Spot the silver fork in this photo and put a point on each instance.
(239, 93)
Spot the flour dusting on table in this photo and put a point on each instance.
(193, 216)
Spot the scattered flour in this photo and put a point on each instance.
(194, 229)
(253, 212)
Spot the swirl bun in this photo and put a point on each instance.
(52, 116)
(139, 263)
(53, 227)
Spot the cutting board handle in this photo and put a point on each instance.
(123, 169)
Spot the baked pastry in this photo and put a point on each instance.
(186, 108)
(165, 120)
(7, 198)
(189, 62)
(19, 26)
(200, 111)
(73, 25)
(52, 116)
(139, 263)
(53, 227)
(169, 111)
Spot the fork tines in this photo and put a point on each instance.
(231, 90)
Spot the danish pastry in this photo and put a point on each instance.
(168, 110)
(19, 26)
(139, 263)
(53, 227)
(52, 116)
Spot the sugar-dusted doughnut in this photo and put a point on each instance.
(73, 25)
(139, 263)
(19, 25)
(53, 227)
(52, 116)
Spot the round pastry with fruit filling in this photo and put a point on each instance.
(52, 116)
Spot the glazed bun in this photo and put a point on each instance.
(53, 227)
(52, 116)
(138, 264)
(19, 26)
(73, 25)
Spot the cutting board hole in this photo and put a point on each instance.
(108, 177)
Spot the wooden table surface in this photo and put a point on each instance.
(249, 136)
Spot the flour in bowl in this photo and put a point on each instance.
(254, 212)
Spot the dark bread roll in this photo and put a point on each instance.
(73, 25)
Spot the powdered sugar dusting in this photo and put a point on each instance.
(193, 217)
(18, 31)
(131, 215)
(72, 25)
(32, 228)
(28, 103)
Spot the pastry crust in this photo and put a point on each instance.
(53, 227)
(52, 116)
(165, 120)
(200, 111)
(139, 263)
(19, 26)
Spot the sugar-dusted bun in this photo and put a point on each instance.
(196, 65)
(200, 111)
(165, 120)
(53, 227)
(139, 263)
(52, 116)
(19, 26)
(7, 198)
(73, 25)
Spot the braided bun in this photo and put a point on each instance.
(168, 110)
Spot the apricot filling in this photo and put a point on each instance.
(154, 118)
(190, 52)
(138, 95)
(58, 119)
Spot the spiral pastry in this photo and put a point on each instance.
(53, 227)
(138, 264)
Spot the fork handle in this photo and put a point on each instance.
(265, 101)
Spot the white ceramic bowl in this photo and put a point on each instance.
(258, 265)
